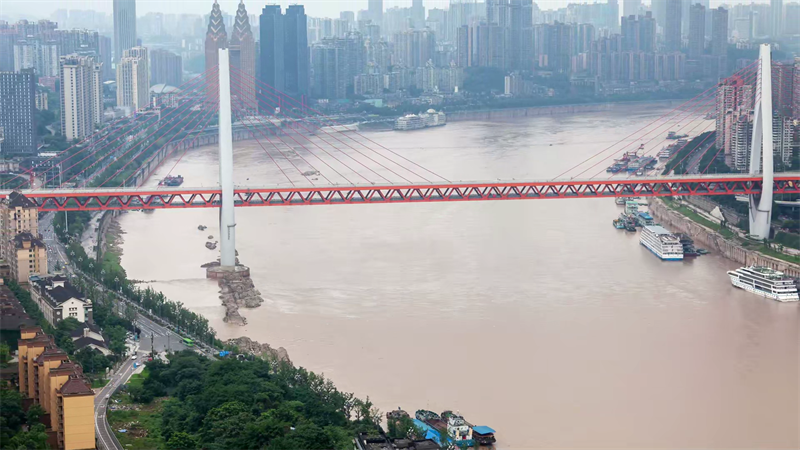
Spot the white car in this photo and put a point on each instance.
(133, 357)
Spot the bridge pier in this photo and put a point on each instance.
(761, 208)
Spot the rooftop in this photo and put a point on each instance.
(56, 291)
(657, 229)
(17, 200)
(21, 238)
(76, 385)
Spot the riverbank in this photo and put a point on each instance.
(724, 243)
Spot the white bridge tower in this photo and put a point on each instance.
(227, 220)
(761, 209)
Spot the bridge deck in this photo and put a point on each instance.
(276, 195)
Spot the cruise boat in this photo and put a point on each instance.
(409, 122)
(662, 243)
(765, 282)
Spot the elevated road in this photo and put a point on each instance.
(188, 197)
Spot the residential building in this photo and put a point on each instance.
(18, 214)
(697, 31)
(776, 11)
(124, 26)
(7, 39)
(672, 26)
(216, 39)
(28, 257)
(81, 95)
(414, 48)
(51, 380)
(243, 59)
(165, 68)
(133, 80)
(719, 32)
(89, 335)
(58, 299)
(375, 10)
(330, 71)
(26, 54)
(734, 99)
(18, 113)
(782, 132)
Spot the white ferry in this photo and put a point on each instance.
(409, 122)
(431, 118)
(662, 243)
(765, 282)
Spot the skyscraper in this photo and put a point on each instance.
(719, 32)
(81, 95)
(133, 79)
(243, 57)
(296, 65)
(18, 112)
(375, 9)
(216, 38)
(672, 26)
(330, 71)
(417, 14)
(272, 48)
(776, 9)
(124, 26)
(697, 31)
(165, 67)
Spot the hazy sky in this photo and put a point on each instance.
(320, 8)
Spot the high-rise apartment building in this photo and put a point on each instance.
(26, 54)
(81, 95)
(165, 68)
(414, 48)
(243, 58)
(639, 33)
(105, 45)
(18, 214)
(697, 31)
(672, 26)
(330, 71)
(776, 10)
(18, 112)
(734, 99)
(124, 26)
(719, 32)
(7, 39)
(792, 15)
(133, 80)
(375, 10)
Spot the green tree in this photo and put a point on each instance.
(33, 439)
(5, 353)
(35, 412)
(182, 441)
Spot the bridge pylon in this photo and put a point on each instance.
(227, 220)
(762, 144)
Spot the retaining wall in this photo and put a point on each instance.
(712, 240)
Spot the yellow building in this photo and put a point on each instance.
(50, 379)
(18, 214)
(27, 257)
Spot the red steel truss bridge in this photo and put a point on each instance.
(182, 197)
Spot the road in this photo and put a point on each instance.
(693, 165)
(105, 435)
(152, 335)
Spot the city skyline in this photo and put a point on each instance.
(20, 9)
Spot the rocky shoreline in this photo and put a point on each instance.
(236, 290)
(247, 345)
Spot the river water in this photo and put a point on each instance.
(536, 318)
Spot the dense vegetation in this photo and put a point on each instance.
(20, 429)
(250, 404)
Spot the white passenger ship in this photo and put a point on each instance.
(662, 243)
(765, 282)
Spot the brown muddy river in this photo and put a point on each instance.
(536, 318)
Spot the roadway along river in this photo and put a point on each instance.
(536, 318)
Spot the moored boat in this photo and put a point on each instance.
(766, 282)
(661, 243)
